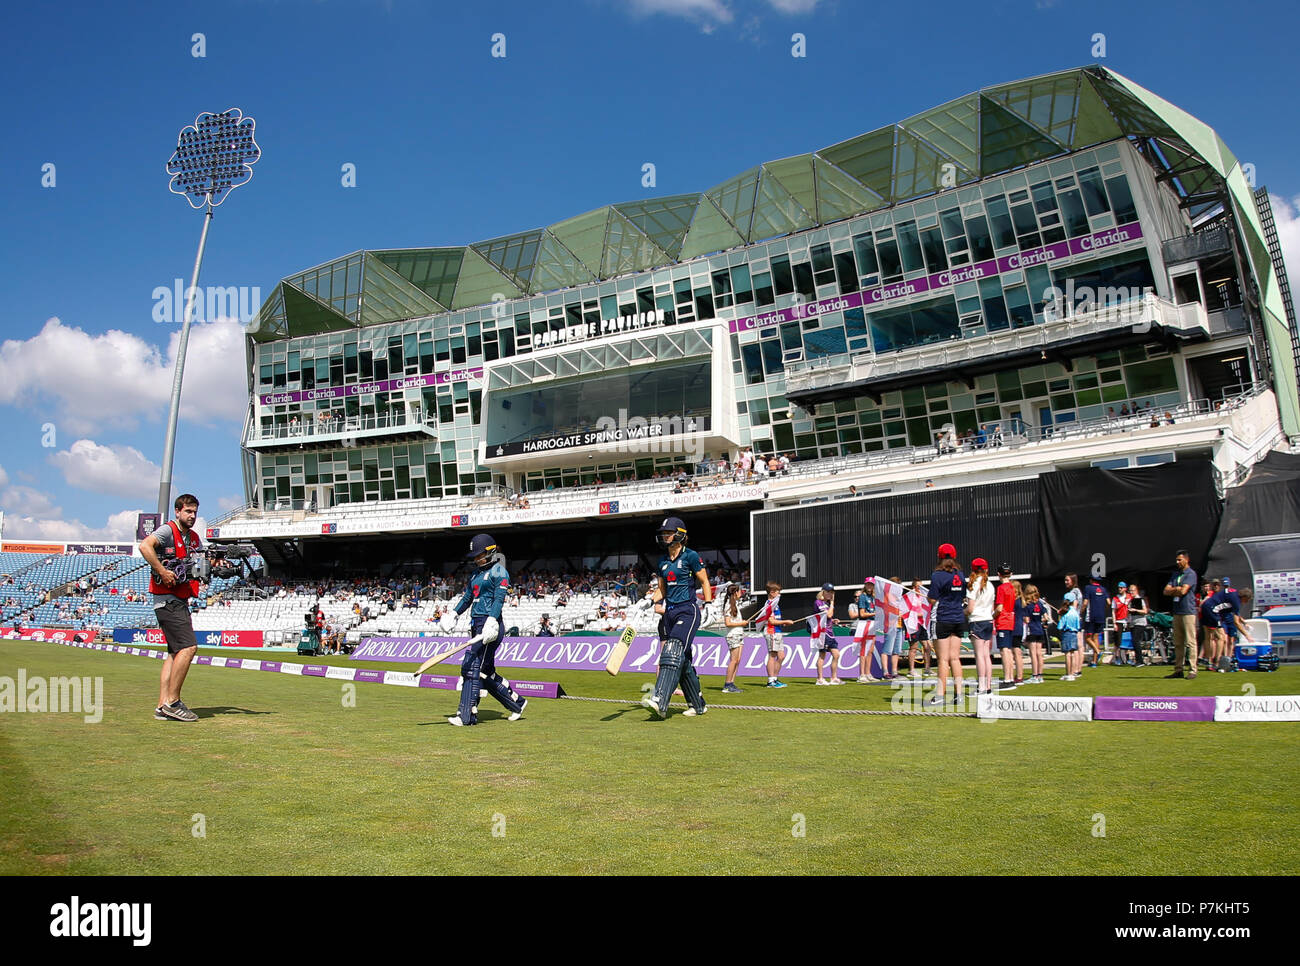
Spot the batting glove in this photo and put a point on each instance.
(449, 622)
(491, 630)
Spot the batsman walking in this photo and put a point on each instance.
(484, 596)
(680, 572)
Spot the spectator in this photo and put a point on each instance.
(979, 608)
(1181, 588)
(1096, 598)
(948, 591)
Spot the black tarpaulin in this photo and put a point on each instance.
(1267, 503)
(1133, 521)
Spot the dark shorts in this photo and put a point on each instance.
(176, 626)
(1033, 638)
(982, 629)
(1094, 627)
(918, 636)
(1006, 640)
(944, 629)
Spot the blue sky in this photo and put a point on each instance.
(452, 145)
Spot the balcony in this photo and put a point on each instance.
(345, 430)
(1138, 320)
(1193, 248)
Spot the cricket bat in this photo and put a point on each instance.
(439, 658)
(619, 651)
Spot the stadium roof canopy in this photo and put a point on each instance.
(990, 131)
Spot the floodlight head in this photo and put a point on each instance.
(213, 157)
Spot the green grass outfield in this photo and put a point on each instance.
(288, 780)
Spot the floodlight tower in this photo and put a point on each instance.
(211, 159)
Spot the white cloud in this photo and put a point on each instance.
(1286, 215)
(116, 379)
(122, 470)
(793, 6)
(29, 514)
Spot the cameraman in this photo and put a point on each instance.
(172, 552)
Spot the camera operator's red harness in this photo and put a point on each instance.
(184, 589)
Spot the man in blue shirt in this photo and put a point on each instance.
(484, 597)
(680, 572)
(1095, 599)
(1182, 591)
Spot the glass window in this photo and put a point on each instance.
(909, 246)
(981, 244)
(932, 245)
(790, 335)
(891, 266)
(1121, 199)
(1094, 195)
(1018, 307)
(995, 310)
(752, 356)
(782, 278)
(1076, 219)
(846, 272)
(1044, 199)
(865, 249)
(772, 357)
(803, 281)
(763, 294)
(1004, 234)
(740, 284)
(951, 222)
(825, 342)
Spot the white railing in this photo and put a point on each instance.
(339, 427)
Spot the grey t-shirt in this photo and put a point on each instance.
(1185, 604)
(167, 557)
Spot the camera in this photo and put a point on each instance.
(209, 562)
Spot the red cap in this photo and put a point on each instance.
(980, 562)
(947, 550)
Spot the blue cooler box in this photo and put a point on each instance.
(1257, 657)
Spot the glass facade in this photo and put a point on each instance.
(935, 245)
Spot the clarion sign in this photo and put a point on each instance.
(1039, 707)
(1272, 707)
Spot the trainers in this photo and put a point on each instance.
(730, 688)
(934, 700)
(178, 712)
(836, 681)
(822, 681)
(1192, 676)
(455, 720)
(158, 714)
(1176, 674)
(1007, 686)
(691, 712)
(651, 705)
(520, 713)
(864, 679)
(775, 684)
